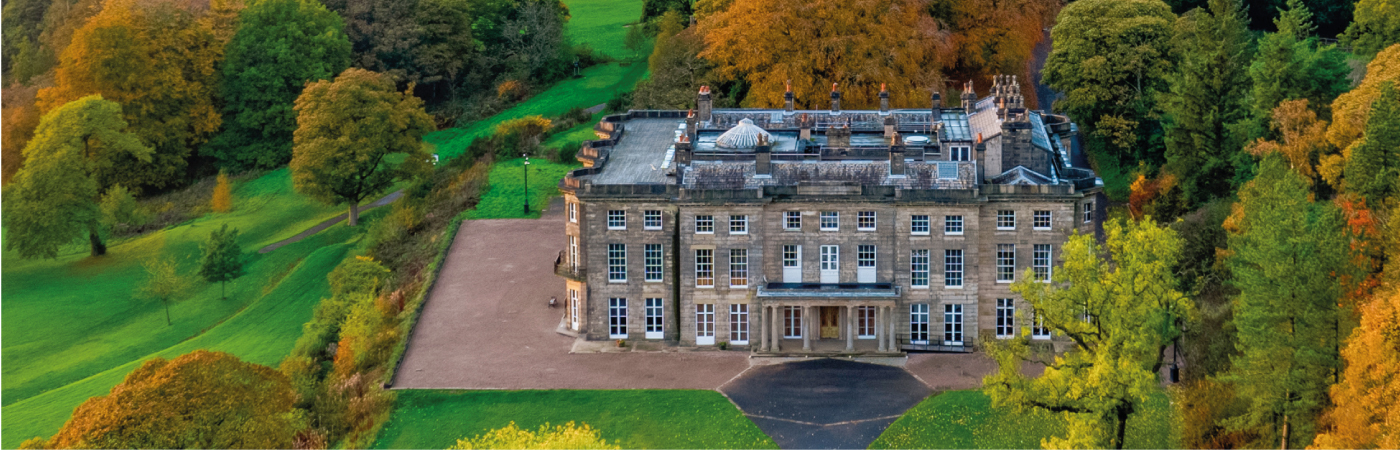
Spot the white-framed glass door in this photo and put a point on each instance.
(792, 322)
(617, 318)
(952, 325)
(573, 309)
(704, 324)
(738, 324)
(792, 263)
(865, 264)
(865, 322)
(831, 264)
(655, 319)
(918, 323)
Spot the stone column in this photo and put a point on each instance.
(879, 328)
(806, 328)
(777, 327)
(850, 328)
(894, 343)
(762, 329)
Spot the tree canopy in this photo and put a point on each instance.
(1291, 64)
(1118, 304)
(1367, 401)
(1376, 26)
(1373, 168)
(202, 399)
(53, 199)
(223, 258)
(279, 46)
(350, 136)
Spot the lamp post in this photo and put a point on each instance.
(526, 169)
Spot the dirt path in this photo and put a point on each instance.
(332, 221)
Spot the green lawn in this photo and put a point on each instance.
(575, 135)
(72, 330)
(504, 198)
(602, 24)
(966, 419)
(629, 418)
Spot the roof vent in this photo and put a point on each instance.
(743, 135)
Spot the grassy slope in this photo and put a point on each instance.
(503, 199)
(72, 330)
(632, 419)
(966, 419)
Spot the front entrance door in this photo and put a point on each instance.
(831, 322)
(831, 270)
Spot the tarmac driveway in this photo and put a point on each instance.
(825, 403)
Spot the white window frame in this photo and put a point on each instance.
(617, 263)
(953, 269)
(1088, 212)
(1006, 219)
(1006, 263)
(830, 259)
(739, 265)
(573, 212)
(704, 224)
(705, 265)
(617, 318)
(655, 318)
(653, 256)
(953, 225)
(1038, 329)
(915, 227)
(739, 323)
(1041, 255)
(866, 221)
(835, 217)
(952, 324)
(573, 310)
(738, 224)
(1006, 318)
(647, 219)
(792, 220)
(792, 322)
(617, 219)
(919, 269)
(866, 263)
(704, 324)
(573, 252)
(865, 322)
(1036, 222)
(918, 323)
(792, 263)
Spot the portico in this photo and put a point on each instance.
(826, 318)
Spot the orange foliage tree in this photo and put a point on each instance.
(158, 59)
(857, 44)
(202, 399)
(20, 118)
(1304, 142)
(222, 200)
(994, 36)
(1351, 110)
(1367, 411)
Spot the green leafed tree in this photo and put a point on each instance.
(1287, 254)
(164, 283)
(1375, 27)
(1207, 96)
(355, 137)
(53, 199)
(1111, 59)
(279, 46)
(223, 258)
(1291, 65)
(1118, 304)
(1373, 170)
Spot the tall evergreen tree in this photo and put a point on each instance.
(1291, 64)
(1373, 170)
(223, 259)
(1286, 254)
(1207, 96)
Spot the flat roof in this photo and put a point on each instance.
(643, 155)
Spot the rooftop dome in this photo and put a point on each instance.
(743, 135)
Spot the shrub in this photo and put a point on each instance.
(222, 200)
(619, 101)
(120, 212)
(569, 152)
(512, 90)
(587, 56)
(357, 274)
(560, 436)
(521, 135)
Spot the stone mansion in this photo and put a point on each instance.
(786, 231)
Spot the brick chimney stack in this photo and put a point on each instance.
(936, 100)
(969, 97)
(690, 124)
(884, 100)
(763, 157)
(896, 156)
(787, 98)
(835, 100)
(683, 151)
(804, 127)
(704, 103)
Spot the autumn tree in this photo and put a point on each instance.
(1373, 168)
(355, 137)
(157, 60)
(1207, 96)
(1286, 256)
(568, 435)
(19, 118)
(222, 198)
(1302, 139)
(223, 258)
(164, 283)
(1367, 401)
(676, 69)
(1119, 306)
(1111, 59)
(201, 399)
(990, 37)
(522, 135)
(261, 82)
(1376, 26)
(1351, 110)
(52, 200)
(858, 45)
(1291, 64)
